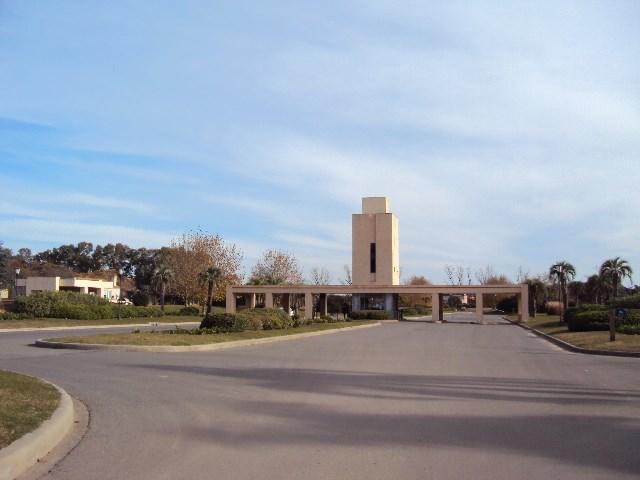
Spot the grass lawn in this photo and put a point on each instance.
(550, 324)
(62, 322)
(25, 403)
(159, 338)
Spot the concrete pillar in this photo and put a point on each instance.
(435, 307)
(268, 300)
(251, 302)
(523, 304)
(355, 302)
(479, 308)
(390, 304)
(308, 305)
(230, 300)
(323, 304)
(84, 290)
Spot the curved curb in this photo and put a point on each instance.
(25, 452)
(196, 348)
(572, 348)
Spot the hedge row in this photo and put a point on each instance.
(258, 319)
(596, 317)
(415, 311)
(79, 306)
(369, 315)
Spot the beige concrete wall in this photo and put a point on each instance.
(47, 284)
(381, 229)
(43, 284)
(375, 205)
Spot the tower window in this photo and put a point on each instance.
(372, 258)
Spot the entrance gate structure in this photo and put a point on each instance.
(322, 291)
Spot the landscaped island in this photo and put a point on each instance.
(25, 402)
(184, 338)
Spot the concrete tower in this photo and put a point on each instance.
(375, 256)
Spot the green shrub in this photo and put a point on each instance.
(632, 301)
(140, 298)
(189, 311)
(43, 304)
(223, 322)
(264, 319)
(13, 316)
(410, 312)
(369, 315)
(589, 320)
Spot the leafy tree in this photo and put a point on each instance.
(576, 288)
(276, 267)
(596, 288)
(413, 299)
(536, 289)
(211, 276)
(616, 270)
(25, 256)
(6, 278)
(562, 272)
(188, 253)
(162, 276)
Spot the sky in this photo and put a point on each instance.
(503, 133)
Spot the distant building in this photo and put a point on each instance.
(4, 293)
(91, 284)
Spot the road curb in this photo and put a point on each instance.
(19, 456)
(93, 327)
(572, 348)
(196, 348)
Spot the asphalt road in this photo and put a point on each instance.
(408, 400)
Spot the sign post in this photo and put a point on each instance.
(613, 314)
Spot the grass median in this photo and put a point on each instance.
(25, 402)
(550, 324)
(159, 338)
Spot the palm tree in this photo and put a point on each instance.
(162, 275)
(536, 286)
(596, 287)
(210, 276)
(616, 270)
(562, 272)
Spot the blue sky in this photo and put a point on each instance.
(504, 133)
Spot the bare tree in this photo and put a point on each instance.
(347, 276)
(455, 274)
(320, 276)
(276, 267)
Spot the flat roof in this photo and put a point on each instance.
(403, 289)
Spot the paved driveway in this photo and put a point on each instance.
(406, 400)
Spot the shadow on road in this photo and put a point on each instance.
(609, 442)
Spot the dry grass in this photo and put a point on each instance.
(25, 402)
(184, 340)
(550, 324)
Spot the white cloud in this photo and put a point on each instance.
(73, 232)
